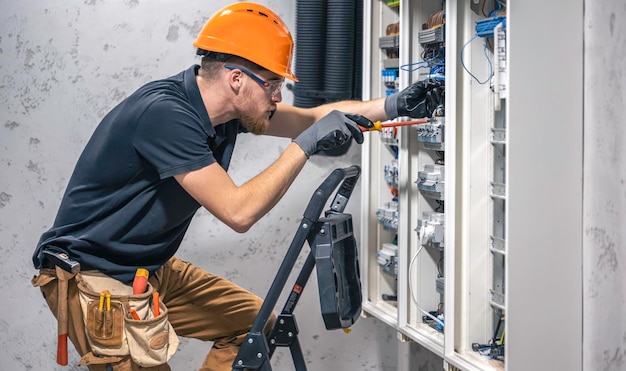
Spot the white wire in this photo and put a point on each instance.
(411, 287)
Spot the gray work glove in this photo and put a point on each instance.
(412, 101)
(332, 130)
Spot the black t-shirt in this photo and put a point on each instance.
(122, 208)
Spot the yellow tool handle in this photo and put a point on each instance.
(105, 295)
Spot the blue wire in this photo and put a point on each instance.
(438, 69)
(494, 12)
(406, 67)
(395, 151)
(482, 352)
(486, 56)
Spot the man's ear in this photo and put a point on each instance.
(235, 78)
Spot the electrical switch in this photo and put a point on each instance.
(430, 229)
(432, 134)
(387, 258)
(431, 181)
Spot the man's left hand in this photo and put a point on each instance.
(413, 101)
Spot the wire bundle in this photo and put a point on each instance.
(436, 19)
(485, 29)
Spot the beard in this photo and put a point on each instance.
(256, 126)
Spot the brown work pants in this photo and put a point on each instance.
(201, 306)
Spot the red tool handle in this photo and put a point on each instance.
(155, 304)
(404, 123)
(62, 317)
(62, 350)
(378, 125)
(140, 283)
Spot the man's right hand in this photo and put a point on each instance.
(333, 130)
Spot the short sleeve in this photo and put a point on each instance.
(171, 137)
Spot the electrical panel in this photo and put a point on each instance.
(412, 199)
(447, 202)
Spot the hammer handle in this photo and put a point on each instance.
(62, 316)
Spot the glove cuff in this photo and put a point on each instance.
(307, 153)
(391, 106)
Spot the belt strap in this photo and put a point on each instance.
(92, 359)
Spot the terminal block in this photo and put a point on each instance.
(431, 36)
(439, 285)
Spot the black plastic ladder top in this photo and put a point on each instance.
(255, 352)
(348, 176)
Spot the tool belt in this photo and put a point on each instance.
(119, 324)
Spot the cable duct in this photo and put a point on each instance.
(328, 54)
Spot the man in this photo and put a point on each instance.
(164, 152)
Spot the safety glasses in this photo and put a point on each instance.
(274, 86)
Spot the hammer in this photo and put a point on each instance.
(66, 268)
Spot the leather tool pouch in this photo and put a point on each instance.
(111, 329)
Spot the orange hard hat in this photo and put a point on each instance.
(250, 31)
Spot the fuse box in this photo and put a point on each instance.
(437, 200)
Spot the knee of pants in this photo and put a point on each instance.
(270, 323)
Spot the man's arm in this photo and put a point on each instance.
(290, 121)
(240, 207)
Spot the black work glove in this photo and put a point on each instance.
(333, 130)
(412, 101)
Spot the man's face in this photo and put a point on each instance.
(255, 114)
(259, 101)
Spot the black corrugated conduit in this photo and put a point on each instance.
(357, 61)
(310, 40)
(339, 56)
(328, 54)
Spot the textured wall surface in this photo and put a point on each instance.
(63, 65)
(604, 255)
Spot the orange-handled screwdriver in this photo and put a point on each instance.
(378, 125)
(155, 304)
(134, 314)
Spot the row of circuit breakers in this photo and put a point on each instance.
(427, 186)
(430, 180)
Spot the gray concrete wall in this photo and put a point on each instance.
(63, 65)
(604, 239)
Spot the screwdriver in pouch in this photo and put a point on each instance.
(105, 295)
(140, 283)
